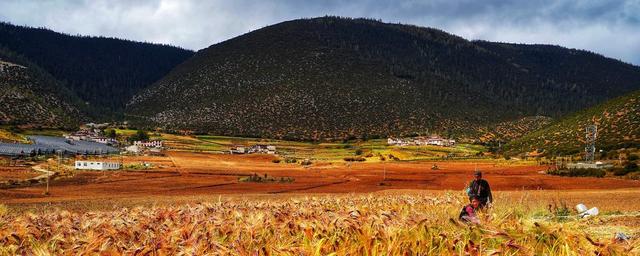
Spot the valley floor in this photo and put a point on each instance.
(186, 174)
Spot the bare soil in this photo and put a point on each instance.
(185, 174)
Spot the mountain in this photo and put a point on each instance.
(32, 97)
(105, 72)
(334, 78)
(617, 121)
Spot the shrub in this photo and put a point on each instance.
(290, 160)
(306, 162)
(358, 152)
(631, 167)
(632, 157)
(579, 173)
(265, 179)
(620, 171)
(276, 161)
(354, 159)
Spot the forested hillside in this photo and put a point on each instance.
(105, 72)
(335, 78)
(29, 96)
(617, 121)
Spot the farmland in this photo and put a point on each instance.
(181, 173)
(195, 200)
(414, 222)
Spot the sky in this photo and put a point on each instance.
(611, 28)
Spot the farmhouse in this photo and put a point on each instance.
(92, 135)
(262, 149)
(133, 149)
(258, 148)
(149, 144)
(96, 165)
(438, 141)
(238, 150)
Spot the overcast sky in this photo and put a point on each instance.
(611, 28)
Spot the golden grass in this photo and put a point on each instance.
(363, 224)
(8, 136)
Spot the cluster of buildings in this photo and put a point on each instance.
(91, 135)
(152, 147)
(255, 149)
(421, 141)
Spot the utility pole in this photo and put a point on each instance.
(590, 140)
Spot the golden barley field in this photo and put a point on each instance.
(394, 223)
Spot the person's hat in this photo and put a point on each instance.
(477, 173)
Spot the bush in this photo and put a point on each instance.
(290, 160)
(631, 167)
(354, 159)
(620, 171)
(358, 152)
(305, 162)
(632, 157)
(599, 173)
(265, 179)
(276, 161)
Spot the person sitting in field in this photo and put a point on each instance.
(480, 188)
(468, 213)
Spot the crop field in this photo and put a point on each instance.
(182, 173)
(389, 223)
(373, 150)
(194, 200)
(17, 173)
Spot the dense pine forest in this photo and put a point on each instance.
(103, 72)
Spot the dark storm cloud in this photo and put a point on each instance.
(611, 28)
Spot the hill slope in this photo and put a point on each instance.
(105, 72)
(617, 120)
(32, 97)
(339, 78)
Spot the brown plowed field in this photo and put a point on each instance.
(193, 174)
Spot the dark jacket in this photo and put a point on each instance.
(481, 189)
(468, 214)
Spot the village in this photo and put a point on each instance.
(433, 140)
(92, 143)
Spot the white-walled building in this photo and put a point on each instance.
(133, 149)
(149, 144)
(97, 165)
(421, 141)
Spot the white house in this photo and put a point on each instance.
(133, 149)
(97, 165)
(262, 149)
(149, 144)
(238, 150)
(105, 140)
